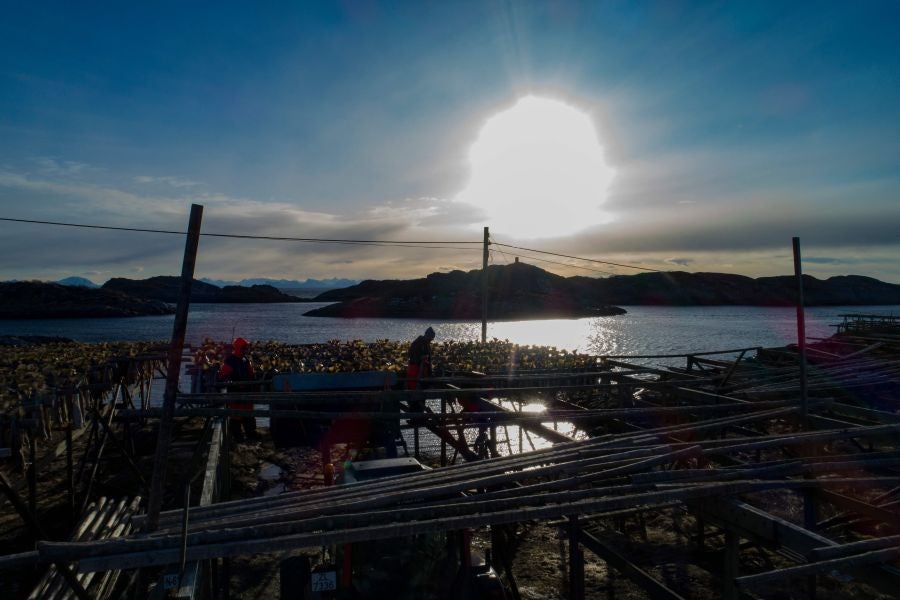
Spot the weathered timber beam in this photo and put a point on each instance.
(559, 453)
(390, 523)
(825, 566)
(707, 353)
(364, 501)
(868, 414)
(141, 552)
(492, 413)
(532, 466)
(190, 575)
(827, 552)
(465, 472)
(863, 508)
(654, 588)
(755, 523)
(20, 560)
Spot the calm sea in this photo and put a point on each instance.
(644, 330)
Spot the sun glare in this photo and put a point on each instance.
(538, 170)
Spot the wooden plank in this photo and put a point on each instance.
(654, 588)
(188, 584)
(820, 567)
(755, 523)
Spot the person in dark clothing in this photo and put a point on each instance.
(237, 370)
(419, 356)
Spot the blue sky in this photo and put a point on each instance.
(729, 128)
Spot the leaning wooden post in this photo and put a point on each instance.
(32, 470)
(809, 495)
(801, 333)
(484, 287)
(731, 566)
(576, 561)
(70, 473)
(443, 441)
(157, 486)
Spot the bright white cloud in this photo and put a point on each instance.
(538, 170)
(53, 166)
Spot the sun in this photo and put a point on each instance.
(538, 170)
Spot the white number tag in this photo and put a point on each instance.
(324, 581)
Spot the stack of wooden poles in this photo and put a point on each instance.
(104, 519)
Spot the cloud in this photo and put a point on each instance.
(747, 236)
(32, 248)
(176, 182)
(680, 261)
(430, 212)
(53, 166)
(825, 260)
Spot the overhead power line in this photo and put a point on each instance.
(555, 262)
(594, 260)
(402, 243)
(427, 244)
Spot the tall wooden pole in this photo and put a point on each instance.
(801, 331)
(484, 287)
(173, 370)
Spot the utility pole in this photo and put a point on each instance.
(173, 370)
(801, 332)
(484, 286)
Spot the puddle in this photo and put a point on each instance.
(271, 475)
(269, 472)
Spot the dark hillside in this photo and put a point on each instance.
(167, 289)
(39, 300)
(525, 291)
(517, 291)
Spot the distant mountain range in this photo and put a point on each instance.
(317, 285)
(516, 291)
(293, 284)
(167, 289)
(78, 282)
(524, 291)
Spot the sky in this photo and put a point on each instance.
(675, 135)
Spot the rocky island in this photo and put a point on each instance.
(517, 292)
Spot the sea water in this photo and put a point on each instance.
(643, 330)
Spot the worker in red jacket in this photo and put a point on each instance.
(237, 370)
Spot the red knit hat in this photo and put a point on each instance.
(239, 345)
